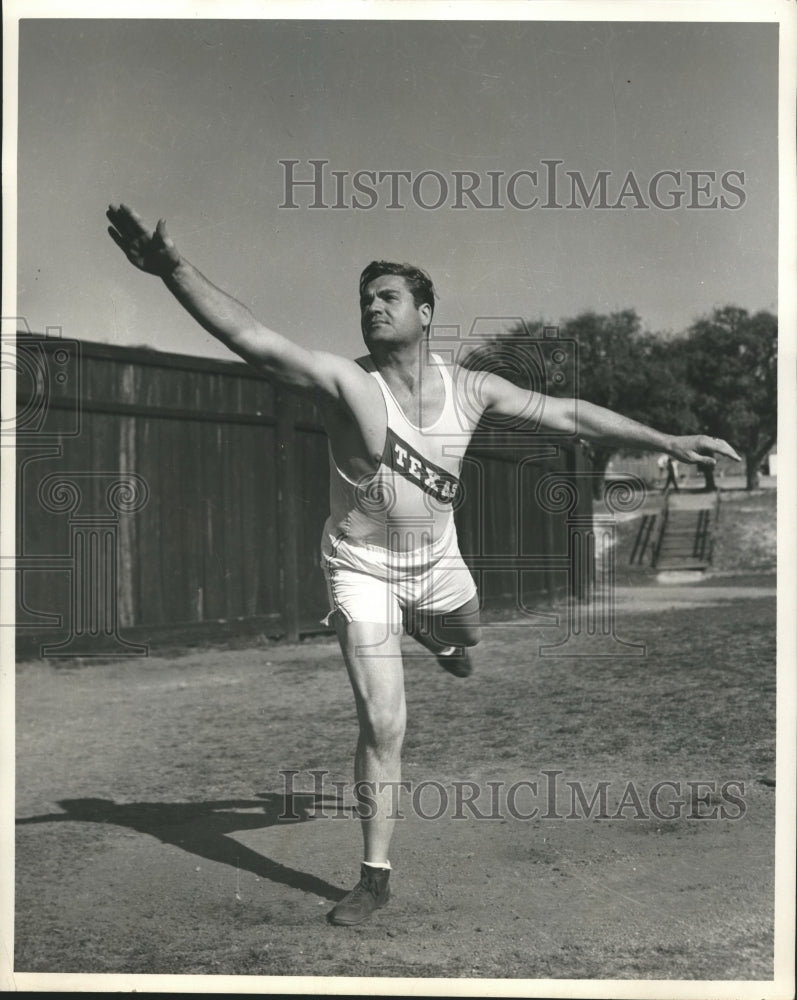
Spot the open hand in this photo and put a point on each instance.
(153, 252)
(700, 449)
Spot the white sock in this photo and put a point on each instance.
(378, 864)
(448, 652)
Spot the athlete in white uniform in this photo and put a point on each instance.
(389, 547)
(393, 476)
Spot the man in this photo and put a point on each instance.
(398, 422)
(672, 475)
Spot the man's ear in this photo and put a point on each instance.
(426, 313)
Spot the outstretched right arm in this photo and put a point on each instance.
(222, 315)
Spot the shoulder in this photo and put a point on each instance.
(472, 390)
(472, 380)
(356, 389)
(338, 366)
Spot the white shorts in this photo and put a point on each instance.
(368, 583)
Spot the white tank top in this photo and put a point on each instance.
(407, 504)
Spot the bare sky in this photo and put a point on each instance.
(189, 119)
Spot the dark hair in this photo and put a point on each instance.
(418, 281)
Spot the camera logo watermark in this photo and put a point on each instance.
(92, 561)
(92, 504)
(580, 553)
(48, 385)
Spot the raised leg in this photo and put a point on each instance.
(452, 628)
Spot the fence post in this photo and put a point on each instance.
(286, 444)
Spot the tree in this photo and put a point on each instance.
(617, 366)
(730, 361)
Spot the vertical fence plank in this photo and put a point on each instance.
(246, 508)
(287, 513)
(266, 533)
(127, 528)
(312, 507)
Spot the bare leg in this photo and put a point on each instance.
(373, 660)
(452, 628)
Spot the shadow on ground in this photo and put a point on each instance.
(202, 828)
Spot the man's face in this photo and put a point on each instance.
(388, 313)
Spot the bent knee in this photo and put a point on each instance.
(472, 635)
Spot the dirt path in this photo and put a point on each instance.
(149, 802)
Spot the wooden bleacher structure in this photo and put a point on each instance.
(677, 531)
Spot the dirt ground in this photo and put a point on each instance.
(154, 835)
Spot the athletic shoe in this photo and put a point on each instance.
(371, 892)
(456, 661)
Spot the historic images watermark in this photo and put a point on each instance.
(548, 795)
(313, 184)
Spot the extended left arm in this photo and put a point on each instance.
(595, 424)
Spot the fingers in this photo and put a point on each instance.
(160, 229)
(727, 450)
(128, 222)
(720, 447)
(122, 223)
(695, 454)
(118, 240)
(701, 450)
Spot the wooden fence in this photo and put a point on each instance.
(186, 492)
